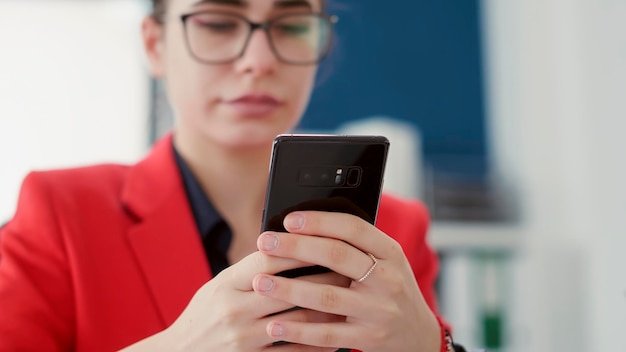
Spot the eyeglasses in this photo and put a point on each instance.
(221, 37)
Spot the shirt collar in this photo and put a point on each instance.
(205, 214)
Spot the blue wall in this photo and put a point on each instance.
(416, 60)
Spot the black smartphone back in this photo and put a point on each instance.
(336, 173)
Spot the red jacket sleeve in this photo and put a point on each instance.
(36, 309)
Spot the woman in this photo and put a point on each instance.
(166, 254)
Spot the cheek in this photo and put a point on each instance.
(187, 80)
(177, 71)
(303, 84)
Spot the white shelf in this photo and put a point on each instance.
(475, 236)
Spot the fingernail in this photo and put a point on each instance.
(269, 242)
(277, 330)
(265, 284)
(294, 221)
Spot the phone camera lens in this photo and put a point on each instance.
(354, 177)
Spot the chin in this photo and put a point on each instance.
(246, 139)
(254, 135)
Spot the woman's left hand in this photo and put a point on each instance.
(384, 312)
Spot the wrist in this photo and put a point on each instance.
(431, 339)
(159, 342)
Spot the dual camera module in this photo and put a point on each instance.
(330, 176)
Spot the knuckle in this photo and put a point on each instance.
(379, 338)
(396, 284)
(229, 274)
(359, 226)
(328, 337)
(232, 317)
(301, 315)
(338, 253)
(386, 312)
(263, 263)
(396, 249)
(330, 298)
(236, 339)
(259, 261)
(396, 291)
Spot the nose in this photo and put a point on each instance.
(258, 58)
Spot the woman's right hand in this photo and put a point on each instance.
(225, 314)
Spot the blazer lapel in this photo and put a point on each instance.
(165, 238)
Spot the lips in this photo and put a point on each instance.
(255, 104)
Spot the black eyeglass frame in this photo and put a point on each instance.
(265, 26)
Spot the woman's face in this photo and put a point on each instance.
(242, 103)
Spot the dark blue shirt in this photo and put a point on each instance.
(215, 232)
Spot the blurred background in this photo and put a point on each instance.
(506, 118)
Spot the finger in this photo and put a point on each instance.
(254, 333)
(320, 297)
(304, 315)
(252, 304)
(332, 335)
(297, 348)
(345, 227)
(331, 278)
(241, 273)
(261, 306)
(337, 255)
(257, 307)
(301, 316)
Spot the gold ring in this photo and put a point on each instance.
(370, 270)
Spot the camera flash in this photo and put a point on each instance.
(338, 179)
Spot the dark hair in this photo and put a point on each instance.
(159, 8)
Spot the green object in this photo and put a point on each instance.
(492, 311)
(492, 330)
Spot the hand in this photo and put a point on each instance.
(384, 312)
(226, 315)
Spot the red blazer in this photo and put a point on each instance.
(97, 258)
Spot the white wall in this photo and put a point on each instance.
(73, 88)
(606, 82)
(558, 115)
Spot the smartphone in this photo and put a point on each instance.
(335, 173)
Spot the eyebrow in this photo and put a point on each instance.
(280, 4)
(238, 3)
(283, 4)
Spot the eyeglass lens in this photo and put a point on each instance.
(219, 37)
